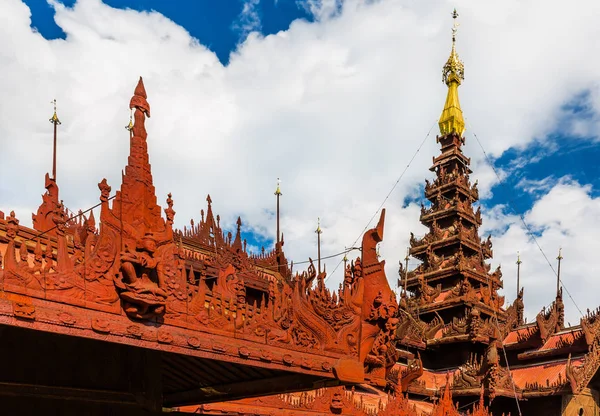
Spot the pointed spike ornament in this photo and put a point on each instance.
(345, 259)
(319, 232)
(453, 73)
(518, 272)
(406, 259)
(56, 122)
(278, 194)
(559, 258)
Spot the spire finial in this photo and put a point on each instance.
(454, 26)
(278, 191)
(319, 231)
(406, 259)
(518, 272)
(559, 258)
(345, 259)
(55, 121)
(278, 194)
(453, 73)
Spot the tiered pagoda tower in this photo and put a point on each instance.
(453, 293)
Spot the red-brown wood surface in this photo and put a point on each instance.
(195, 293)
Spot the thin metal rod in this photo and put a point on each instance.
(559, 258)
(319, 231)
(406, 270)
(54, 155)
(518, 272)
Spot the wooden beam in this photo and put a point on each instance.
(67, 393)
(145, 377)
(247, 389)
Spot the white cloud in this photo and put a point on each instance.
(336, 108)
(321, 9)
(568, 216)
(249, 18)
(535, 186)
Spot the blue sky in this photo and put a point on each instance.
(214, 23)
(336, 106)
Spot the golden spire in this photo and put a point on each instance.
(453, 74)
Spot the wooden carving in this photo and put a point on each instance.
(379, 309)
(43, 220)
(196, 291)
(410, 328)
(398, 405)
(514, 314)
(579, 376)
(413, 371)
(590, 324)
(550, 320)
(427, 294)
(445, 407)
(469, 375)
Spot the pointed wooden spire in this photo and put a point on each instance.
(237, 243)
(140, 90)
